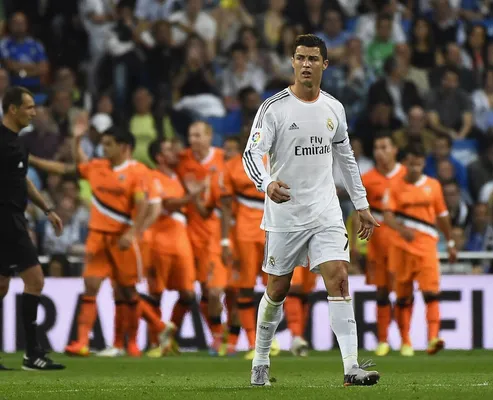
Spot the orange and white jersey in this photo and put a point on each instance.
(211, 168)
(114, 191)
(417, 206)
(250, 202)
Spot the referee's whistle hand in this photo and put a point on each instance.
(278, 192)
(56, 222)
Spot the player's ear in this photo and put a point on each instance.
(326, 64)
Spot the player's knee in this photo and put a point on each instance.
(277, 289)
(129, 293)
(404, 301)
(4, 287)
(295, 290)
(246, 293)
(428, 297)
(382, 297)
(92, 285)
(187, 298)
(215, 294)
(34, 283)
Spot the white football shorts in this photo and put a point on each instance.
(286, 250)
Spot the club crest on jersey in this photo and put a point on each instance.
(121, 178)
(330, 125)
(272, 261)
(427, 190)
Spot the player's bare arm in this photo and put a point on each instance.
(175, 204)
(52, 167)
(38, 201)
(391, 221)
(80, 128)
(226, 218)
(152, 215)
(445, 226)
(137, 228)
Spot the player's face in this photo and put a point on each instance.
(415, 166)
(25, 113)
(169, 155)
(231, 149)
(308, 65)
(198, 137)
(111, 149)
(384, 151)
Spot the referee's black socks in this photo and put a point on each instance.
(30, 305)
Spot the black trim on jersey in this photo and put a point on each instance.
(249, 198)
(271, 100)
(342, 141)
(109, 208)
(420, 221)
(254, 172)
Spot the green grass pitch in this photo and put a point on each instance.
(449, 375)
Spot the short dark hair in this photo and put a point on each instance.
(235, 139)
(311, 41)
(451, 69)
(240, 47)
(243, 93)
(154, 149)
(451, 182)
(121, 137)
(384, 17)
(384, 135)
(14, 97)
(416, 150)
(445, 137)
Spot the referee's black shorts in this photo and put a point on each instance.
(17, 251)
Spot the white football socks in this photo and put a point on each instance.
(268, 319)
(343, 325)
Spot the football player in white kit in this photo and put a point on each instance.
(301, 128)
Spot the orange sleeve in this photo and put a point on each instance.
(227, 183)
(389, 201)
(84, 168)
(440, 206)
(141, 185)
(154, 190)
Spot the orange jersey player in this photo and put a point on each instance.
(377, 182)
(118, 212)
(413, 206)
(200, 163)
(171, 251)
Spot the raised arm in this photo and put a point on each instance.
(52, 167)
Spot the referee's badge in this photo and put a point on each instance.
(330, 125)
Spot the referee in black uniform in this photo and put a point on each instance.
(17, 252)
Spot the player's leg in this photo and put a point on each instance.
(4, 288)
(329, 256)
(154, 300)
(293, 310)
(201, 259)
(428, 278)
(283, 250)
(402, 263)
(217, 280)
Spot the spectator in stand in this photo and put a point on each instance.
(70, 242)
(447, 28)
(23, 56)
(69, 188)
(367, 26)
(256, 55)
(231, 147)
(412, 74)
(43, 141)
(310, 18)
(475, 52)
(4, 84)
(161, 60)
(378, 118)
(104, 105)
(229, 21)
(394, 89)
(90, 143)
(63, 111)
(192, 20)
(459, 210)
(382, 46)
(271, 23)
(450, 108)
(424, 52)
(281, 59)
(442, 151)
(415, 131)
(149, 11)
(479, 233)
(483, 102)
(453, 59)
(97, 18)
(240, 74)
(195, 83)
(334, 36)
(250, 101)
(65, 79)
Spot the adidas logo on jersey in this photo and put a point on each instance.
(293, 126)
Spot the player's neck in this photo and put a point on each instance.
(10, 124)
(386, 169)
(412, 180)
(305, 93)
(118, 161)
(201, 155)
(166, 170)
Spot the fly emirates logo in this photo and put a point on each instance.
(315, 148)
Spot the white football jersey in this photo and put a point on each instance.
(300, 138)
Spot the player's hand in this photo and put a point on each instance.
(278, 192)
(81, 125)
(56, 222)
(366, 224)
(227, 256)
(407, 234)
(452, 255)
(126, 240)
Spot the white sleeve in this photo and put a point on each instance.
(259, 143)
(343, 153)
